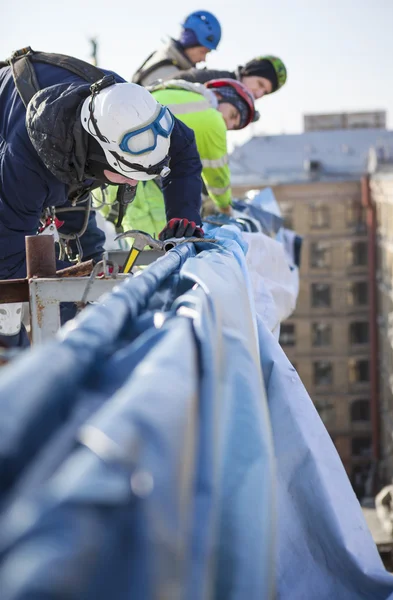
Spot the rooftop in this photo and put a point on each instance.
(338, 155)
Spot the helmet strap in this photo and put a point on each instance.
(95, 89)
(152, 170)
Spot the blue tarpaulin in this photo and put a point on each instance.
(164, 447)
(324, 548)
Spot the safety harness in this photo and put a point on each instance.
(173, 55)
(24, 75)
(142, 73)
(26, 83)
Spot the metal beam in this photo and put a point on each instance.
(14, 290)
(46, 295)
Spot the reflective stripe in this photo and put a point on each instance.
(218, 191)
(216, 162)
(189, 107)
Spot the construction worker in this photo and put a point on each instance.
(262, 75)
(210, 111)
(201, 33)
(60, 137)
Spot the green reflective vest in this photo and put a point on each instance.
(211, 138)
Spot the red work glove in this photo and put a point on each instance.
(178, 228)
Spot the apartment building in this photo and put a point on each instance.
(317, 179)
(375, 119)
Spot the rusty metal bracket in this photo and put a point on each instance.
(46, 295)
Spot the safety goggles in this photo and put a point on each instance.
(140, 141)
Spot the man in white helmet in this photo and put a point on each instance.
(60, 137)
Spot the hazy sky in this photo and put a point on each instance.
(339, 53)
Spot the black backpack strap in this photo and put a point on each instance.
(125, 195)
(24, 75)
(83, 69)
(137, 76)
(141, 74)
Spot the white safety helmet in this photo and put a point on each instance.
(132, 128)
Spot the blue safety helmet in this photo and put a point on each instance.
(206, 27)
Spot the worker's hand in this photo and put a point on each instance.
(226, 210)
(178, 228)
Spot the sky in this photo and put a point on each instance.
(338, 53)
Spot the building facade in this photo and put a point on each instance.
(328, 336)
(332, 338)
(352, 120)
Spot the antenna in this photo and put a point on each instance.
(94, 50)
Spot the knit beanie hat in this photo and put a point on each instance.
(228, 94)
(260, 68)
(270, 67)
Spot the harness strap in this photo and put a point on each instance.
(24, 75)
(26, 83)
(142, 74)
(77, 66)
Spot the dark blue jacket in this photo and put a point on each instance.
(27, 186)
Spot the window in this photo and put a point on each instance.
(287, 334)
(287, 214)
(358, 333)
(360, 411)
(320, 295)
(326, 411)
(358, 293)
(357, 254)
(356, 216)
(319, 217)
(323, 372)
(320, 255)
(321, 334)
(361, 446)
(361, 480)
(359, 370)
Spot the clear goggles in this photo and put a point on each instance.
(140, 141)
